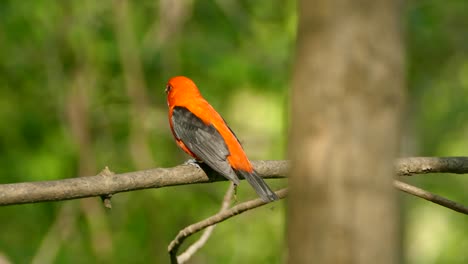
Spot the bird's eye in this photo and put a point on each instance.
(168, 88)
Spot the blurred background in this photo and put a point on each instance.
(82, 87)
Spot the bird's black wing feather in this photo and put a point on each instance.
(203, 140)
(259, 185)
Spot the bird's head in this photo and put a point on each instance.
(180, 88)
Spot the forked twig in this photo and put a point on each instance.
(212, 220)
(187, 254)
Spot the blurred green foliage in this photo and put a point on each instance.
(437, 125)
(67, 72)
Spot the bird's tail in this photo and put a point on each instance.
(259, 185)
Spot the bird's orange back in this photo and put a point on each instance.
(181, 91)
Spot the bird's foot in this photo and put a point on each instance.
(193, 162)
(234, 196)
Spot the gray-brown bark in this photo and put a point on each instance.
(346, 104)
(108, 183)
(421, 165)
(73, 188)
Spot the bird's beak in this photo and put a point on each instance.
(168, 88)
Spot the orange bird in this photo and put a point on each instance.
(202, 133)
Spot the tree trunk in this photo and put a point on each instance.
(348, 93)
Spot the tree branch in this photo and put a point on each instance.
(413, 190)
(75, 188)
(215, 219)
(423, 165)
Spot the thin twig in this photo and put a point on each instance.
(190, 251)
(217, 218)
(413, 190)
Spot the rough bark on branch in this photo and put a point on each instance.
(421, 165)
(75, 188)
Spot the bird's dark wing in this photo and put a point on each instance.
(202, 140)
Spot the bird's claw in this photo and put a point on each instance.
(193, 162)
(234, 196)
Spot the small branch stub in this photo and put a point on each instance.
(106, 198)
